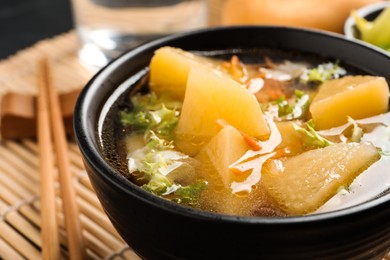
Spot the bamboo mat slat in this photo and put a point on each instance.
(20, 222)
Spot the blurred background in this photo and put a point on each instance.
(24, 22)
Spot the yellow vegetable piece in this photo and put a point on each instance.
(224, 149)
(219, 198)
(169, 69)
(211, 97)
(290, 137)
(352, 96)
(303, 183)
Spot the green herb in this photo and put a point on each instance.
(156, 143)
(189, 195)
(323, 72)
(299, 93)
(156, 160)
(311, 137)
(151, 101)
(357, 132)
(157, 165)
(138, 120)
(294, 109)
(157, 117)
(343, 189)
(284, 108)
(164, 121)
(158, 184)
(148, 115)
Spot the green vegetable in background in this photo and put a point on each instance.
(376, 32)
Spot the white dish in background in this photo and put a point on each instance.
(369, 12)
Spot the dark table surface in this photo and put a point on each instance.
(24, 22)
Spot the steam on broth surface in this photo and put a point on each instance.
(255, 133)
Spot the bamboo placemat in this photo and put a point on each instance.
(20, 221)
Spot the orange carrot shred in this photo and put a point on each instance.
(251, 141)
(236, 171)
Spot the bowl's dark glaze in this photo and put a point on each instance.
(158, 229)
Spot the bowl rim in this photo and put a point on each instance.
(362, 12)
(93, 156)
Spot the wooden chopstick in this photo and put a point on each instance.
(72, 221)
(94, 221)
(50, 230)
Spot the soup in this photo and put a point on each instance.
(260, 133)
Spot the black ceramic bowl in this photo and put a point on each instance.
(158, 229)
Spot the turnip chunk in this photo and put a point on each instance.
(224, 149)
(211, 97)
(376, 179)
(368, 185)
(302, 183)
(351, 96)
(170, 67)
